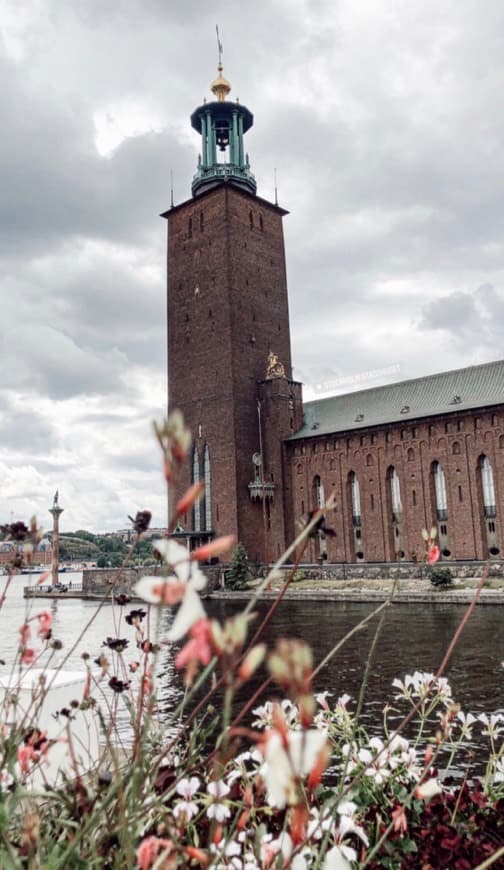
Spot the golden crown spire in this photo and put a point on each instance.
(220, 87)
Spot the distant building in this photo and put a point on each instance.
(428, 451)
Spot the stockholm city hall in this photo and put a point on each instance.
(427, 451)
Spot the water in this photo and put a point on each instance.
(414, 637)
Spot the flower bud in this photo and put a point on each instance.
(252, 661)
(214, 548)
(190, 497)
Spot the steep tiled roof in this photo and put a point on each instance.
(460, 390)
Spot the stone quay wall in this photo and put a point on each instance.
(390, 570)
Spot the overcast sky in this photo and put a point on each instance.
(385, 123)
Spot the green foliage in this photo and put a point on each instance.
(239, 572)
(441, 577)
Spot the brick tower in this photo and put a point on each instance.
(229, 359)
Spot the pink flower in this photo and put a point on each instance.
(28, 656)
(45, 621)
(24, 634)
(433, 554)
(198, 648)
(25, 755)
(400, 820)
(149, 849)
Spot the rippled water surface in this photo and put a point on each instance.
(413, 637)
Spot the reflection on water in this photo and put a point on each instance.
(414, 637)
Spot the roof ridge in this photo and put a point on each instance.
(312, 402)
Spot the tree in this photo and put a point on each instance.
(239, 572)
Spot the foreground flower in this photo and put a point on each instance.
(218, 810)
(183, 587)
(289, 758)
(428, 789)
(45, 622)
(149, 849)
(186, 808)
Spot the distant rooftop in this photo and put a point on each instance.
(444, 393)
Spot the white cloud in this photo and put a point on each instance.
(381, 120)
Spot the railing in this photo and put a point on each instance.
(48, 589)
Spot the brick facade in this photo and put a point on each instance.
(456, 441)
(227, 309)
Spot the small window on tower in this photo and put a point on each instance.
(189, 228)
(261, 223)
(251, 220)
(201, 221)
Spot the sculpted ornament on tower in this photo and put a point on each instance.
(275, 368)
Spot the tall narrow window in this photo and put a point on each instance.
(356, 501)
(195, 479)
(208, 489)
(487, 484)
(319, 492)
(395, 492)
(440, 490)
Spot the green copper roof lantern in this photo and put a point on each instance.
(222, 126)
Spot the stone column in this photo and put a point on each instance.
(56, 510)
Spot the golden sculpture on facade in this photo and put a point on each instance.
(275, 368)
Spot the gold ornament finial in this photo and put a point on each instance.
(220, 87)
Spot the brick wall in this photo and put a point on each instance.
(227, 308)
(457, 441)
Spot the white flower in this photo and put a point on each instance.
(426, 790)
(376, 762)
(340, 858)
(493, 728)
(317, 824)
(282, 766)
(321, 698)
(187, 581)
(217, 810)
(499, 771)
(466, 721)
(283, 846)
(186, 788)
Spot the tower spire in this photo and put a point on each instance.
(222, 126)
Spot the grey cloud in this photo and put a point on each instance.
(52, 364)
(26, 431)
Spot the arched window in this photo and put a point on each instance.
(195, 479)
(355, 491)
(319, 492)
(440, 490)
(487, 485)
(208, 489)
(456, 448)
(395, 492)
(411, 454)
(369, 459)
